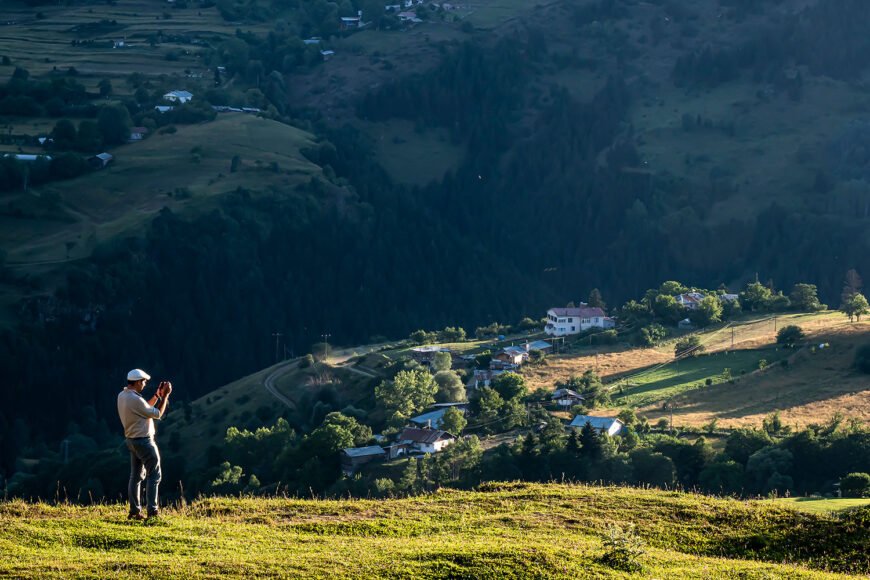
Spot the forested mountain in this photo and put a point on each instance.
(608, 144)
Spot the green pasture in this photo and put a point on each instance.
(658, 383)
(414, 157)
(821, 505)
(493, 13)
(502, 531)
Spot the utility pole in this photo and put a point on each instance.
(277, 336)
(732, 337)
(774, 322)
(326, 338)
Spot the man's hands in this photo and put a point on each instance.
(164, 389)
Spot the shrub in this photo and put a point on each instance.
(855, 485)
(789, 336)
(862, 358)
(623, 549)
(690, 345)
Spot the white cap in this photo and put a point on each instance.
(137, 375)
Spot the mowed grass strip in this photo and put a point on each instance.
(822, 505)
(503, 531)
(691, 373)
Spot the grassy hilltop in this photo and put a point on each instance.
(502, 531)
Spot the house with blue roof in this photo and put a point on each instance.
(604, 425)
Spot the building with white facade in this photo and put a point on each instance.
(565, 321)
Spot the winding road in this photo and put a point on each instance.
(280, 371)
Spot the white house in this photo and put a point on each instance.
(426, 440)
(565, 321)
(178, 96)
(604, 425)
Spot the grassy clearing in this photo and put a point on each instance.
(691, 373)
(413, 157)
(820, 505)
(506, 531)
(493, 13)
(104, 204)
(817, 384)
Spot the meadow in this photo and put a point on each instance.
(510, 530)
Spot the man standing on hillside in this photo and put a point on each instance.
(137, 416)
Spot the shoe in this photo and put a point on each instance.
(153, 515)
(136, 516)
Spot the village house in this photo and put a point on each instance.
(409, 16)
(567, 321)
(426, 354)
(426, 440)
(604, 425)
(512, 355)
(540, 346)
(353, 457)
(432, 419)
(566, 398)
(482, 378)
(100, 160)
(178, 96)
(690, 300)
(351, 22)
(137, 134)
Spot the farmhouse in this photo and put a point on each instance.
(433, 418)
(137, 134)
(539, 345)
(567, 398)
(351, 22)
(566, 321)
(178, 96)
(512, 355)
(426, 440)
(690, 300)
(100, 160)
(426, 354)
(604, 425)
(354, 457)
(482, 378)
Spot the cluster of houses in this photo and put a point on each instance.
(420, 437)
(423, 435)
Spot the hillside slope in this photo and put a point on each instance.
(504, 531)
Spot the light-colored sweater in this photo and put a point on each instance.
(136, 414)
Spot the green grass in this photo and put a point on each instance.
(820, 505)
(413, 157)
(660, 383)
(117, 199)
(505, 531)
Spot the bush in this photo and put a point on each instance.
(623, 549)
(605, 337)
(789, 336)
(862, 358)
(690, 345)
(652, 335)
(855, 485)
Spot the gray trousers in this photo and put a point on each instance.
(144, 466)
